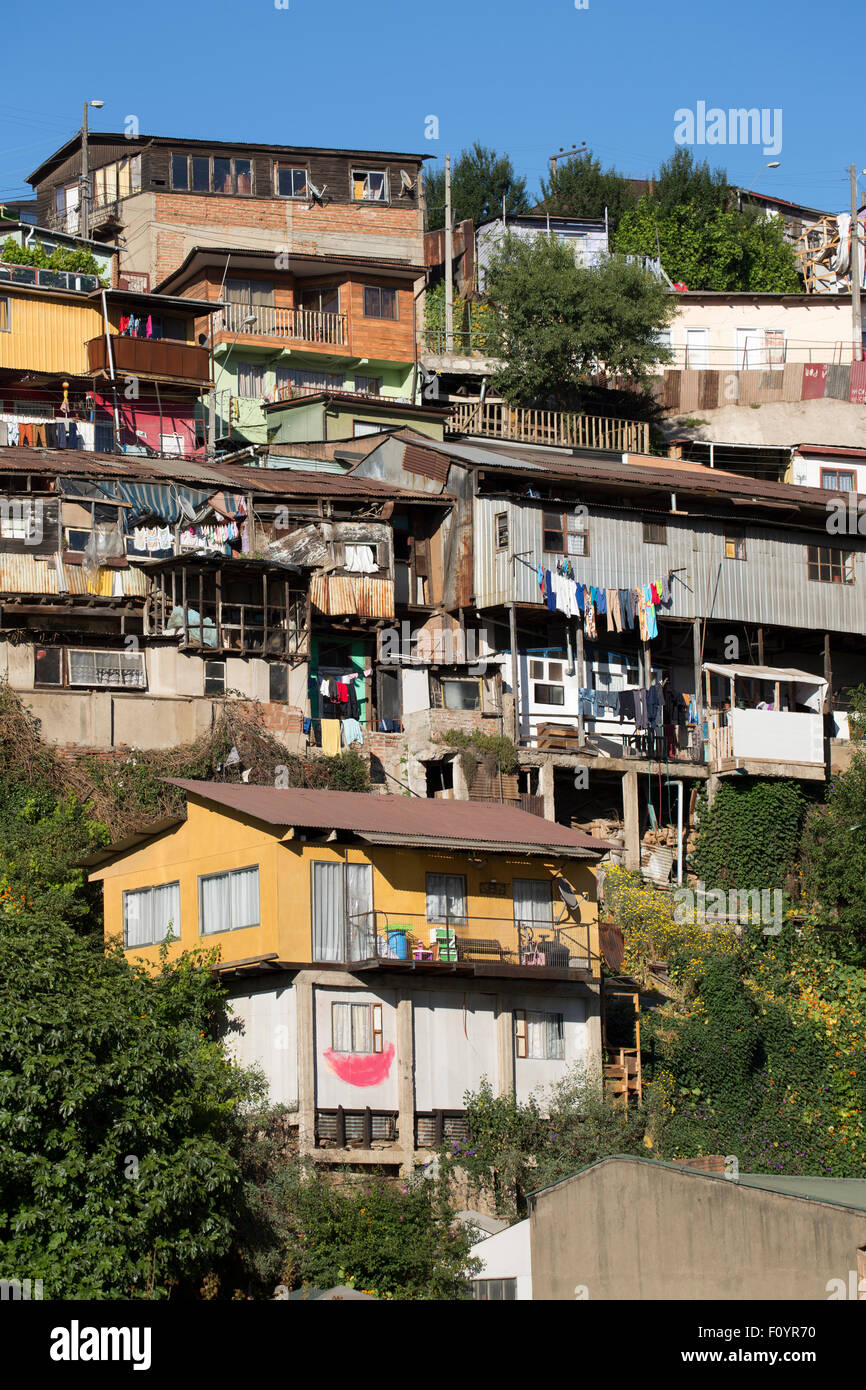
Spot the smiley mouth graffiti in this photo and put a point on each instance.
(364, 1070)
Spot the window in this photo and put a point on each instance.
(500, 521)
(548, 694)
(48, 666)
(311, 380)
(540, 1036)
(735, 545)
(251, 294)
(5, 314)
(494, 1290)
(829, 565)
(278, 682)
(379, 303)
(553, 532)
(148, 913)
(835, 479)
(343, 917)
(243, 178)
(368, 385)
(200, 166)
(446, 898)
(321, 299)
(251, 380)
(103, 668)
(228, 901)
(356, 1027)
(203, 174)
(214, 678)
(774, 340)
(655, 533)
(221, 175)
(179, 171)
(118, 180)
(362, 427)
(455, 692)
(290, 181)
(370, 185)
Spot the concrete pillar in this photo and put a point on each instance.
(546, 788)
(594, 1058)
(713, 784)
(504, 1046)
(631, 818)
(406, 1081)
(306, 1065)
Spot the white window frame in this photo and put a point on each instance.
(293, 170)
(372, 1029)
(228, 874)
(7, 300)
(363, 176)
(125, 661)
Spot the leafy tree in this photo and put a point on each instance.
(683, 183)
(395, 1241)
(120, 1115)
(711, 250)
(833, 860)
(61, 258)
(480, 179)
(581, 188)
(560, 322)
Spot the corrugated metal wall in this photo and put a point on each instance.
(769, 586)
(48, 335)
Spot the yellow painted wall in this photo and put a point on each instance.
(48, 333)
(214, 839)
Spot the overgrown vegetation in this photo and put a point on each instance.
(749, 838)
(481, 180)
(61, 258)
(477, 747)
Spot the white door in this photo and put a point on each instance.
(750, 349)
(697, 348)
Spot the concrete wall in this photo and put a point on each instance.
(632, 1229)
(806, 469)
(816, 328)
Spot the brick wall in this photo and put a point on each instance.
(469, 720)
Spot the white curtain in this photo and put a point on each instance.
(148, 912)
(532, 902)
(359, 912)
(351, 1028)
(362, 1028)
(215, 904)
(544, 1036)
(341, 1027)
(446, 897)
(245, 897)
(360, 559)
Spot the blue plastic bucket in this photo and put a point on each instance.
(398, 945)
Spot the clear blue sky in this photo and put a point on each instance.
(525, 78)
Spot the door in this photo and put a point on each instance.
(697, 348)
(750, 349)
(343, 919)
(67, 207)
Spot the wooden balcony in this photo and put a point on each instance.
(285, 325)
(496, 420)
(157, 359)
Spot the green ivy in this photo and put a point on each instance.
(748, 840)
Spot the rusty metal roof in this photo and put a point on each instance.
(400, 820)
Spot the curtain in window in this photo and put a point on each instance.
(532, 902)
(215, 904)
(147, 913)
(362, 1028)
(165, 907)
(341, 1027)
(328, 911)
(244, 885)
(359, 912)
(555, 1039)
(544, 1036)
(446, 895)
(137, 918)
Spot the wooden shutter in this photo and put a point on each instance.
(520, 1031)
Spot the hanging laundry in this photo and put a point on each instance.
(613, 610)
(589, 613)
(352, 732)
(342, 693)
(139, 538)
(331, 730)
(666, 589)
(655, 596)
(163, 536)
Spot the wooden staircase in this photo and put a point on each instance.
(622, 1075)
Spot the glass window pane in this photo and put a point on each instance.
(179, 171)
(215, 904)
(245, 897)
(362, 1028)
(244, 177)
(200, 174)
(222, 176)
(341, 1027)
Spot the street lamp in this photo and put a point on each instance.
(85, 171)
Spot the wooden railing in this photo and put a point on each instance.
(302, 325)
(162, 358)
(495, 420)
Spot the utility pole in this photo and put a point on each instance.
(85, 179)
(449, 261)
(857, 322)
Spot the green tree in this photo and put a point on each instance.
(683, 183)
(833, 860)
(120, 1114)
(749, 839)
(711, 250)
(61, 258)
(480, 179)
(582, 188)
(560, 322)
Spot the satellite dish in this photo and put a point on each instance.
(567, 893)
(407, 183)
(317, 194)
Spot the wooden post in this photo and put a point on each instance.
(828, 674)
(696, 661)
(185, 608)
(581, 733)
(515, 674)
(760, 646)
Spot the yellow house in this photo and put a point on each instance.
(44, 330)
(383, 953)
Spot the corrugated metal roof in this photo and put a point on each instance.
(413, 819)
(763, 673)
(365, 595)
(24, 574)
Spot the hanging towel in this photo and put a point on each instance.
(581, 602)
(655, 596)
(352, 732)
(331, 736)
(589, 614)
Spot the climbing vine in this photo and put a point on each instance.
(749, 838)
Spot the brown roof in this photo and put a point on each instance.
(399, 819)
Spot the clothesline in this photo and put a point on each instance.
(623, 608)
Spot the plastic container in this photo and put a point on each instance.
(398, 946)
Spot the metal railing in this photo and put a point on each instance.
(299, 325)
(48, 279)
(496, 420)
(760, 356)
(414, 937)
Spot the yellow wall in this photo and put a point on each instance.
(213, 840)
(48, 334)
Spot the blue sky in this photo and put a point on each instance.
(524, 78)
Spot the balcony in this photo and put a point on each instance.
(286, 325)
(565, 430)
(160, 359)
(466, 944)
(38, 276)
(774, 722)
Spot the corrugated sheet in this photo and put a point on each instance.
(814, 381)
(339, 594)
(24, 574)
(839, 382)
(690, 390)
(792, 381)
(426, 462)
(749, 389)
(858, 383)
(709, 390)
